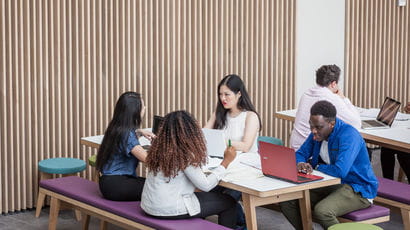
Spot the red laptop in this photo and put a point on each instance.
(279, 162)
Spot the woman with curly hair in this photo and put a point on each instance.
(120, 151)
(174, 163)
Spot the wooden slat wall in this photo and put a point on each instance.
(63, 65)
(377, 52)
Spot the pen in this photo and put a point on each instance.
(229, 143)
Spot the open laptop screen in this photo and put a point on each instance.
(388, 111)
(157, 124)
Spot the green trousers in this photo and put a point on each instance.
(328, 203)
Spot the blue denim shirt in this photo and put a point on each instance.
(123, 162)
(349, 159)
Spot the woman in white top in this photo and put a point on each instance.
(236, 115)
(174, 162)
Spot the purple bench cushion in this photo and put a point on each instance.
(394, 190)
(373, 211)
(88, 192)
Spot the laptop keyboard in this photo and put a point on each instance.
(374, 123)
(302, 178)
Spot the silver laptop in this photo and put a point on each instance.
(386, 116)
(215, 142)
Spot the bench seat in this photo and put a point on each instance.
(395, 194)
(371, 215)
(85, 195)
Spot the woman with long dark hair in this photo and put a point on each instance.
(174, 164)
(236, 115)
(120, 150)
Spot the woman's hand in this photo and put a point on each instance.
(229, 156)
(147, 134)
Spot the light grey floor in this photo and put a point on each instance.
(267, 219)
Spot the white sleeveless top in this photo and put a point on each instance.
(235, 130)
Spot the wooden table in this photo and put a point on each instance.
(397, 137)
(261, 191)
(265, 190)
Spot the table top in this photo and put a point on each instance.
(245, 178)
(397, 137)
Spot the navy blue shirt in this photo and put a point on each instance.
(123, 162)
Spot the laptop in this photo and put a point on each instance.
(279, 162)
(215, 142)
(386, 116)
(156, 124)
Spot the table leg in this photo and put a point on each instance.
(305, 210)
(250, 211)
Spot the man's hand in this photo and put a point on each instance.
(339, 92)
(407, 109)
(304, 167)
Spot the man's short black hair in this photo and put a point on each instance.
(327, 74)
(324, 108)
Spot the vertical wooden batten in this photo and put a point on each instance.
(63, 65)
(377, 52)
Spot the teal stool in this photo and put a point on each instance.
(272, 140)
(64, 166)
(354, 226)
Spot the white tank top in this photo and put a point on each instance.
(235, 129)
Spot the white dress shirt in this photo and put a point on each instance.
(163, 196)
(345, 111)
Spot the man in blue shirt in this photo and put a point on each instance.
(337, 149)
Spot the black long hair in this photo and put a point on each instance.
(126, 119)
(235, 84)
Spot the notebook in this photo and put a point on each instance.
(215, 142)
(279, 162)
(386, 116)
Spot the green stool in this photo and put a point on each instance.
(92, 161)
(64, 166)
(354, 226)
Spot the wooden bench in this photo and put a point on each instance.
(395, 194)
(84, 195)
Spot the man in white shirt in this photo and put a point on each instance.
(327, 88)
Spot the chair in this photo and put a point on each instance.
(272, 140)
(64, 166)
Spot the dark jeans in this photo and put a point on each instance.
(240, 215)
(387, 159)
(213, 203)
(121, 187)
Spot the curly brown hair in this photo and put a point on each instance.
(179, 144)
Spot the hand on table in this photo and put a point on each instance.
(304, 167)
